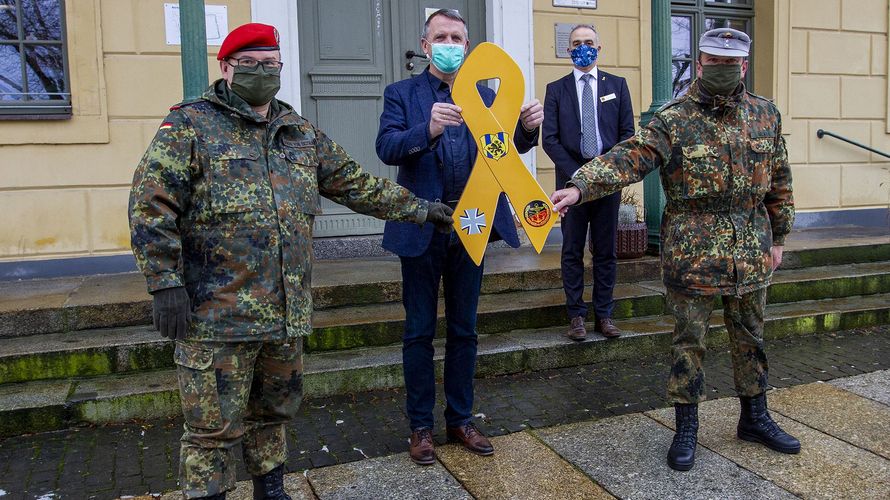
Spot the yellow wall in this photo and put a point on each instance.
(64, 184)
(624, 30)
(838, 82)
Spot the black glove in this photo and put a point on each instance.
(172, 311)
(439, 214)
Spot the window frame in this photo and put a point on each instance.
(33, 109)
(699, 10)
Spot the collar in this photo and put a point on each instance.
(435, 83)
(578, 73)
(699, 94)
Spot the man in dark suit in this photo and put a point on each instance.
(422, 132)
(586, 113)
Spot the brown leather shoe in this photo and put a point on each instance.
(576, 329)
(473, 440)
(421, 447)
(607, 328)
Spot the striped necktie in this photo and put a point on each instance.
(589, 145)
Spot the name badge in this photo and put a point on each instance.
(607, 97)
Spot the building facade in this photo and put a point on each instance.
(82, 94)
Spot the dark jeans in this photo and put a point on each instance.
(444, 260)
(601, 216)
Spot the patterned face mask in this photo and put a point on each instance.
(584, 55)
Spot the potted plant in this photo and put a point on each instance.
(632, 240)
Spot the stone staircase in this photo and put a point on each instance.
(76, 350)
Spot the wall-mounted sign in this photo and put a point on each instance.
(217, 22)
(581, 4)
(562, 32)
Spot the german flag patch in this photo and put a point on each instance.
(166, 125)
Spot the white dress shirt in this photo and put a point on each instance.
(579, 88)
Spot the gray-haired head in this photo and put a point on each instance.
(450, 14)
(587, 26)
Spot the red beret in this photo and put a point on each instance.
(251, 36)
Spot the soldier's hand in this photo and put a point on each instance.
(443, 115)
(171, 312)
(439, 215)
(776, 254)
(564, 198)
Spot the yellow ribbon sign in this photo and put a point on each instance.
(498, 167)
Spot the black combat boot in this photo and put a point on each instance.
(270, 486)
(681, 456)
(218, 496)
(756, 425)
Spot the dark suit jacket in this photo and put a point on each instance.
(562, 121)
(403, 141)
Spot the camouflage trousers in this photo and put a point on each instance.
(230, 393)
(743, 317)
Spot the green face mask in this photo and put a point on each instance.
(256, 86)
(721, 79)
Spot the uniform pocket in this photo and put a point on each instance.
(704, 171)
(197, 385)
(238, 180)
(303, 167)
(760, 152)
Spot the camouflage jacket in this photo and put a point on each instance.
(223, 203)
(725, 174)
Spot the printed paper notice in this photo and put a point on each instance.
(581, 4)
(216, 19)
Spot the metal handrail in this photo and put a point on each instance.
(820, 133)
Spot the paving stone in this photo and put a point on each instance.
(825, 468)
(626, 455)
(874, 385)
(836, 412)
(394, 476)
(522, 467)
(295, 485)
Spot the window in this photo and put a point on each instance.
(33, 60)
(691, 18)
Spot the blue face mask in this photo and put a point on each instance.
(584, 55)
(447, 57)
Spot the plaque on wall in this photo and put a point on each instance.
(562, 32)
(581, 4)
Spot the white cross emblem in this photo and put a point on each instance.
(472, 221)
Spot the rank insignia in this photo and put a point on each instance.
(536, 213)
(495, 145)
(472, 221)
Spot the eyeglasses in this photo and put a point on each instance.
(250, 63)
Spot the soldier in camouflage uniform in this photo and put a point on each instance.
(727, 181)
(221, 215)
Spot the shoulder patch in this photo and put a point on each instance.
(166, 125)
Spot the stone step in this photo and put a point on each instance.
(116, 300)
(106, 301)
(43, 405)
(121, 350)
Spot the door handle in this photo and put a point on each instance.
(409, 55)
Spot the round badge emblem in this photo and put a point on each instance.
(536, 213)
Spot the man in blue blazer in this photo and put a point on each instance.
(586, 113)
(422, 132)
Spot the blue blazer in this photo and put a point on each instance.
(403, 141)
(562, 121)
